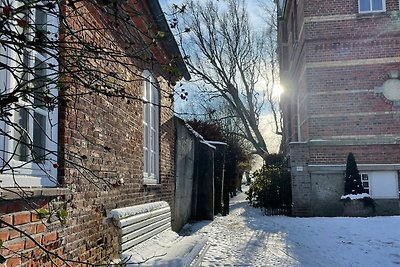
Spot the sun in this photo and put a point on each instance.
(277, 90)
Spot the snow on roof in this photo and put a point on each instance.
(217, 143)
(357, 196)
(193, 131)
(133, 210)
(201, 138)
(208, 144)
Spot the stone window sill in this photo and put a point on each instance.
(20, 193)
(151, 183)
(373, 14)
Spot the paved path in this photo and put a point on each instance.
(239, 240)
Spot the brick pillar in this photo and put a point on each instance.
(301, 180)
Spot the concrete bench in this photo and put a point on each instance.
(146, 238)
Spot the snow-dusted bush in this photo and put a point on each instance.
(353, 189)
(270, 188)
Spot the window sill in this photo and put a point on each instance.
(373, 14)
(151, 183)
(17, 193)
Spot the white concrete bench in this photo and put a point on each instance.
(146, 238)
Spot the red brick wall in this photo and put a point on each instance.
(94, 122)
(104, 135)
(364, 77)
(326, 7)
(339, 59)
(364, 36)
(376, 28)
(17, 247)
(367, 154)
(291, 54)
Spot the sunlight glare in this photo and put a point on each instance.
(277, 90)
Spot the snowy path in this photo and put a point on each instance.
(247, 238)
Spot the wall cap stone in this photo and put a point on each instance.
(20, 193)
(361, 167)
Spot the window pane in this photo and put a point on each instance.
(41, 27)
(39, 137)
(152, 159)
(26, 15)
(147, 113)
(365, 5)
(40, 20)
(39, 83)
(153, 116)
(147, 89)
(377, 5)
(146, 160)
(154, 95)
(24, 72)
(146, 136)
(152, 139)
(365, 184)
(21, 134)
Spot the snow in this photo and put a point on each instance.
(149, 240)
(164, 249)
(141, 252)
(207, 144)
(196, 134)
(199, 136)
(357, 196)
(248, 238)
(133, 210)
(217, 143)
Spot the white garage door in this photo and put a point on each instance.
(384, 184)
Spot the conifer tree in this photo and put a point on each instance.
(352, 185)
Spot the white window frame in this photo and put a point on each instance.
(30, 173)
(365, 179)
(371, 10)
(373, 181)
(151, 113)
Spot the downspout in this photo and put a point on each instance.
(298, 118)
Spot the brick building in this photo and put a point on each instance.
(340, 64)
(97, 141)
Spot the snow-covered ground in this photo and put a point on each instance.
(247, 238)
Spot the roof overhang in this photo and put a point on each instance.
(169, 39)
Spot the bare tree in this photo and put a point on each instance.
(269, 68)
(226, 53)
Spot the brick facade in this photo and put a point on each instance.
(104, 135)
(333, 61)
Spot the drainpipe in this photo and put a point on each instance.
(298, 117)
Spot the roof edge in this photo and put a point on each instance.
(171, 44)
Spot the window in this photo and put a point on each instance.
(150, 129)
(384, 184)
(28, 146)
(365, 182)
(380, 184)
(366, 6)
